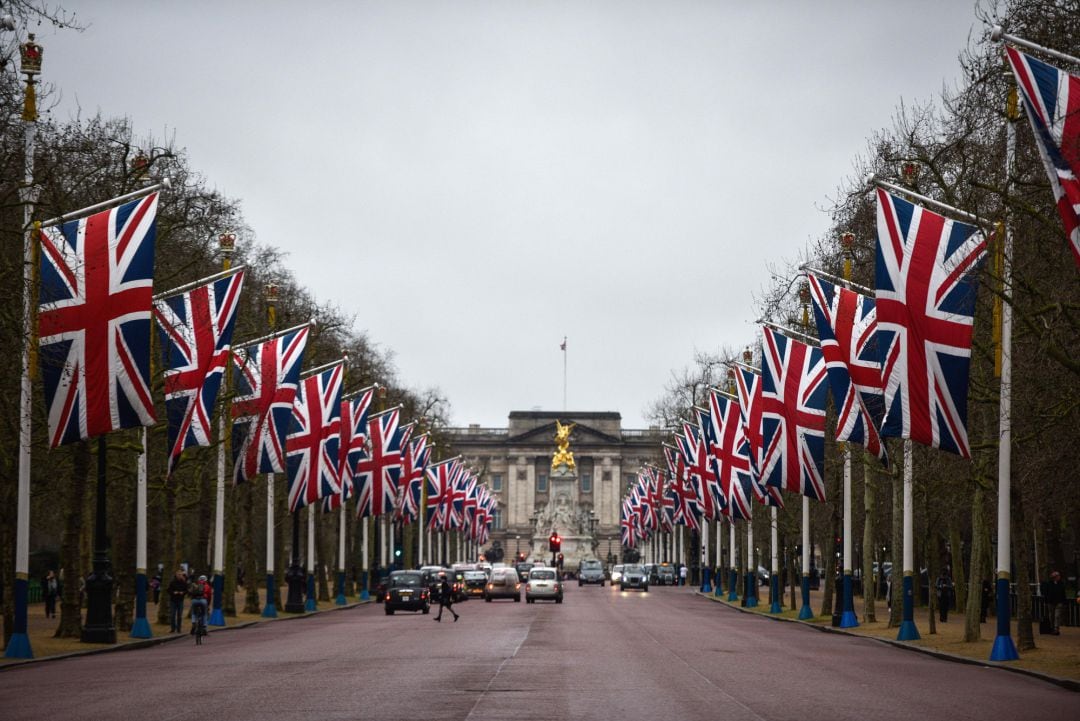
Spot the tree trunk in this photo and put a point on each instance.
(897, 552)
(868, 544)
(70, 625)
(978, 570)
(1025, 637)
(828, 549)
(931, 557)
(122, 504)
(958, 574)
(794, 578)
(323, 538)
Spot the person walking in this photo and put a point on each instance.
(155, 585)
(446, 599)
(178, 588)
(50, 590)
(682, 574)
(986, 597)
(1054, 597)
(944, 587)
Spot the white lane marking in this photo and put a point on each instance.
(502, 665)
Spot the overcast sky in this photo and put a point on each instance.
(478, 179)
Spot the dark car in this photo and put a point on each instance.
(665, 575)
(592, 571)
(634, 576)
(406, 591)
(523, 569)
(475, 581)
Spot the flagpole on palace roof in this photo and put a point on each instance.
(998, 34)
(19, 643)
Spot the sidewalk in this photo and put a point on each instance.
(45, 646)
(1056, 658)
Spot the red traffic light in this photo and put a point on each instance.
(554, 542)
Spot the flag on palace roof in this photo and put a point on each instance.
(312, 446)
(379, 466)
(925, 300)
(793, 415)
(265, 379)
(1052, 99)
(195, 329)
(847, 326)
(96, 290)
(353, 445)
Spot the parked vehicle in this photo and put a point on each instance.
(504, 583)
(544, 583)
(405, 591)
(591, 571)
(634, 576)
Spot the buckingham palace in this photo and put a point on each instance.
(583, 503)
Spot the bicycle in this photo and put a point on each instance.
(198, 610)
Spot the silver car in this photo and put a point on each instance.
(544, 583)
(634, 576)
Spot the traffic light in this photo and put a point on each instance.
(554, 543)
(560, 560)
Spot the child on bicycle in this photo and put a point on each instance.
(200, 601)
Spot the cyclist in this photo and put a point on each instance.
(200, 602)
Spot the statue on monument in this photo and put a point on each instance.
(563, 456)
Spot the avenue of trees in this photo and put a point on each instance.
(86, 160)
(956, 145)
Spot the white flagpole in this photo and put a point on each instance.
(733, 558)
(217, 616)
(774, 581)
(342, 527)
(310, 604)
(141, 627)
(270, 609)
(706, 586)
(751, 569)
(908, 630)
(805, 612)
(848, 619)
(364, 581)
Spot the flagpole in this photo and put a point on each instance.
(848, 619)
(908, 630)
(733, 561)
(774, 581)
(364, 593)
(706, 584)
(165, 184)
(805, 612)
(997, 34)
(270, 609)
(19, 644)
(1004, 649)
(141, 627)
(718, 555)
(226, 246)
(310, 604)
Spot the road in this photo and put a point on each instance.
(603, 654)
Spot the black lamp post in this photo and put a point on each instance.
(99, 626)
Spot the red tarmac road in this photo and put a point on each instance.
(666, 656)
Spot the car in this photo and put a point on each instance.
(504, 583)
(475, 582)
(405, 591)
(456, 577)
(650, 572)
(544, 583)
(616, 573)
(665, 575)
(592, 571)
(634, 576)
(523, 569)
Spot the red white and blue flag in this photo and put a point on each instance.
(628, 533)
(711, 497)
(684, 499)
(412, 478)
(440, 476)
(1052, 99)
(265, 379)
(792, 415)
(748, 390)
(353, 445)
(379, 466)
(925, 311)
(97, 277)
(196, 330)
(730, 456)
(313, 444)
(847, 327)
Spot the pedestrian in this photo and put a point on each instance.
(178, 588)
(1054, 598)
(50, 590)
(944, 588)
(199, 591)
(682, 574)
(986, 596)
(446, 600)
(155, 586)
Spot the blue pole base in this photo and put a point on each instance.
(270, 610)
(340, 600)
(364, 594)
(751, 601)
(774, 594)
(849, 620)
(1004, 649)
(733, 586)
(775, 607)
(748, 591)
(217, 616)
(18, 647)
(718, 591)
(309, 603)
(706, 585)
(805, 613)
(908, 632)
(141, 628)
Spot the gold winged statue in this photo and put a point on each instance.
(563, 456)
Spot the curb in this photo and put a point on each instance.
(1066, 683)
(158, 640)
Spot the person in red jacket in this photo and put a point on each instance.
(200, 597)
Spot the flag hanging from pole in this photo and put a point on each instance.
(847, 326)
(925, 300)
(97, 277)
(313, 443)
(730, 456)
(266, 376)
(379, 467)
(196, 330)
(354, 430)
(1052, 100)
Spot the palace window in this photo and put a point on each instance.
(541, 483)
(497, 519)
(586, 483)
(496, 481)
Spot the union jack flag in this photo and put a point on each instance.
(196, 330)
(663, 504)
(925, 311)
(412, 476)
(379, 466)
(847, 327)
(440, 476)
(1052, 99)
(265, 377)
(313, 444)
(792, 416)
(97, 277)
(730, 456)
(648, 511)
(354, 430)
(684, 499)
(711, 498)
(455, 502)
(748, 387)
(628, 535)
